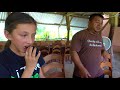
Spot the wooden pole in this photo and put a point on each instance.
(68, 28)
(113, 23)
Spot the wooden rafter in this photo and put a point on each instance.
(59, 24)
(105, 25)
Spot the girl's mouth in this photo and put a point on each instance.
(26, 47)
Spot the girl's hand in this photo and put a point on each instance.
(31, 58)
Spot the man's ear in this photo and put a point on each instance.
(7, 35)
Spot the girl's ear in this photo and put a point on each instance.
(7, 35)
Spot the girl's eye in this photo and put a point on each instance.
(23, 35)
(33, 35)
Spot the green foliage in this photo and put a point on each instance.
(40, 33)
(1, 39)
(43, 34)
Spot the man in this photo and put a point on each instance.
(87, 48)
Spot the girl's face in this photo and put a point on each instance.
(22, 37)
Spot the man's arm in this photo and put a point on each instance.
(83, 72)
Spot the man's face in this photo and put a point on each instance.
(96, 23)
(22, 37)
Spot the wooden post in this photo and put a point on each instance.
(68, 28)
(114, 23)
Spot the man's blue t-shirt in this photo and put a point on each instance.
(12, 65)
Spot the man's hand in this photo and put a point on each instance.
(84, 73)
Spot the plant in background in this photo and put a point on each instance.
(39, 33)
(46, 35)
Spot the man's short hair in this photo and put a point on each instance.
(94, 15)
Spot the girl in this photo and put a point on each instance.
(19, 59)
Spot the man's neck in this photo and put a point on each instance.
(92, 31)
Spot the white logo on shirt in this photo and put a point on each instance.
(93, 43)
